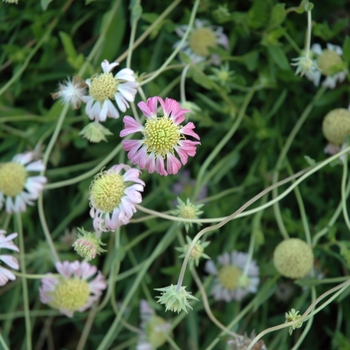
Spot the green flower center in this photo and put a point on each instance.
(329, 62)
(229, 276)
(187, 212)
(154, 331)
(103, 87)
(161, 135)
(106, 191)
(200, 39)
(70, 294)
(13, 177)
(196, 252)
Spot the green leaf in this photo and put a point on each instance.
(185, 58)
(45, 4)
(278, 14)
(68, 45)
(278, 56)
(346, 50)
(201, 79)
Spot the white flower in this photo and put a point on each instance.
(6, 242)
(153, 328)
(104, 87)
(329, 62)
(14, 180)
(71, 91)
(201, 37)
(230, 283)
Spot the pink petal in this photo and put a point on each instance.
(131, 126)
(173, 164)
(188, 130)
(149, 109)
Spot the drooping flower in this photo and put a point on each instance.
(230, 283)
(304, 65)
(95, 132)
(153, 329)
(104, 88)
(175, 299)
(293, 258)
(6, 242)
(71, 91)
(162, 137)
(329, 62)
(17, 188)
(202, 36)
(73, 289)
(113, 197)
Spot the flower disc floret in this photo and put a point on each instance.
(329, 62)
(103, 86)
(113, 196)
(162, 137)
(293, 258)
(13, 177)
(229, 275)
(17, 188)
(200, 39)
(336, 125)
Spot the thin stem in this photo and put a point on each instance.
(182, 83)
(308, 34)
(175, 52)
(24, 282)
(343, 191)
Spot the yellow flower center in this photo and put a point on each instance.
(155, 331)
(13, 177)
(329, 62)
(161, 135)
(103, 87)
(106, 191)
(200, 39)
(70, 294)
(229, 276)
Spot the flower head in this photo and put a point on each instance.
(104, 87)
(304, 65)
(95, 132)
(113, 197)
(293, 258)
(88, 245)
(175, 299)
(162, 136)
(330, 64)
(336, 125)
(293, 315)
(202, 36)
(6, 242)
(71, 91)
(17, 189)
(154, 329)
(188, 210)
(223, 76)
(196, 253)
(230, 283)
(72, 290)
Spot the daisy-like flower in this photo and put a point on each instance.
(202, 36)
(230, 283)
(113, 197)
(153, 329)
(71, 91)
(73, 289)
(105, 87)
(329, 62)
(162, 136)
(17, 189)
(6, 242)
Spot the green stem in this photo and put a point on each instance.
(343, 191)
(19, 228)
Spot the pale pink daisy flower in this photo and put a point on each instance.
(17, 189)
(73, 289)
(162, 136)
(113, 197)
(6, 242)
(202, 36)
(71, 91)
(153, 328)
(104, 87)
(231, 283)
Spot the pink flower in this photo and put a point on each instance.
(162, 136)
(113, 197)
(6, 242)
(71, 291)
